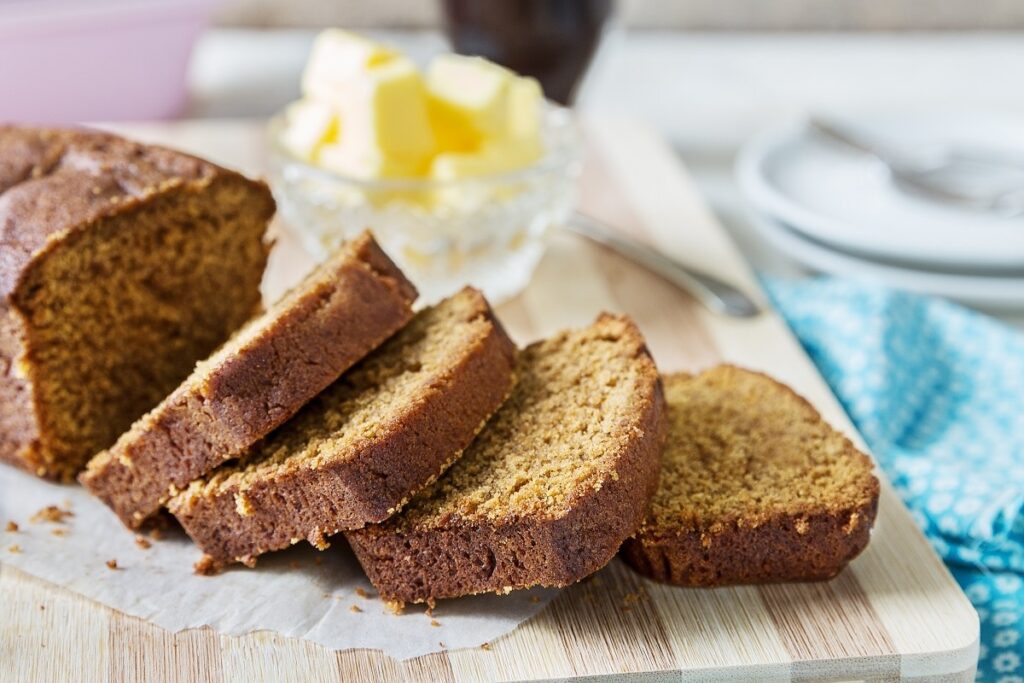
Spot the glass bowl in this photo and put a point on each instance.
(488, 231)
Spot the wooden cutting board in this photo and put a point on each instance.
(896, 612)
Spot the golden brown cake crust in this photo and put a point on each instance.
(260, 378)
(462, 553)
(242, 513)
(725, 534)
(55, 182)
(56, 188)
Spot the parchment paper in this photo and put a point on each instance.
(319, 596)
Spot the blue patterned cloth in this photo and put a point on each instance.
(937, 391)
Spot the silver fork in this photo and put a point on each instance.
(940, 177)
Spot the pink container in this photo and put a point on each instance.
(96, 60)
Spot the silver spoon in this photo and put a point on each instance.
(940, 176)
(714, 294)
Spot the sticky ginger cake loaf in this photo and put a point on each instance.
(547, 492)
(121, 265)
(755, 487)
(358, 451)
(260, 378)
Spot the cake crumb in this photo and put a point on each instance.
(395, 606)
(59, 532)
(112, 564)
(206, 566)
(361, 592)
(441, 644)
(156, 534)
(356, 609)
(12, 527)
(51, 513)
(435, 622)
(631, 599)
(14, 549)
(143, 542)
(486, 647)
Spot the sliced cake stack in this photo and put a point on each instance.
(453, 463)
(255, 382)
(360, 449)
(551, 488)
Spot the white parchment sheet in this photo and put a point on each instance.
(319, 596)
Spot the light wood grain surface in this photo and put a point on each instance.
(895, 613)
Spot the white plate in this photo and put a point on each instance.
(1003, 293)
(845, 199)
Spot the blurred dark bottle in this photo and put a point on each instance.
(551, 40)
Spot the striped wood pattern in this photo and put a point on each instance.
(895, 613)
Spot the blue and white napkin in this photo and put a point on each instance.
(937, 391)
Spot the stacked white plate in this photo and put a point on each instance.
(836, 211)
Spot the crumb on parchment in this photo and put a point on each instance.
(355, 609)
(112, 564)
(206, 566)
(12, 527)
(435, 622)
(14, 549)
(51, 513)
(59, 532)
(143, 542)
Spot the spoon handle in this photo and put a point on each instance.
(714, 294)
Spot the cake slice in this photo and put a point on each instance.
(121, 265)
(548, 491)
(755, 487)
(357, 452)
(258, 379)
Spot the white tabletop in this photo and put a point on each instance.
(706, 92)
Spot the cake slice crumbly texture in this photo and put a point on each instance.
(551, 487)
(357, 452)
(256, 381)
(121, 265)
(755, 487)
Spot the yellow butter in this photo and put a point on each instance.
(384, 127)
(496, 156)
(339, 57)
(368, 113)
(468, 99)
(309, 126)
(525, 108)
